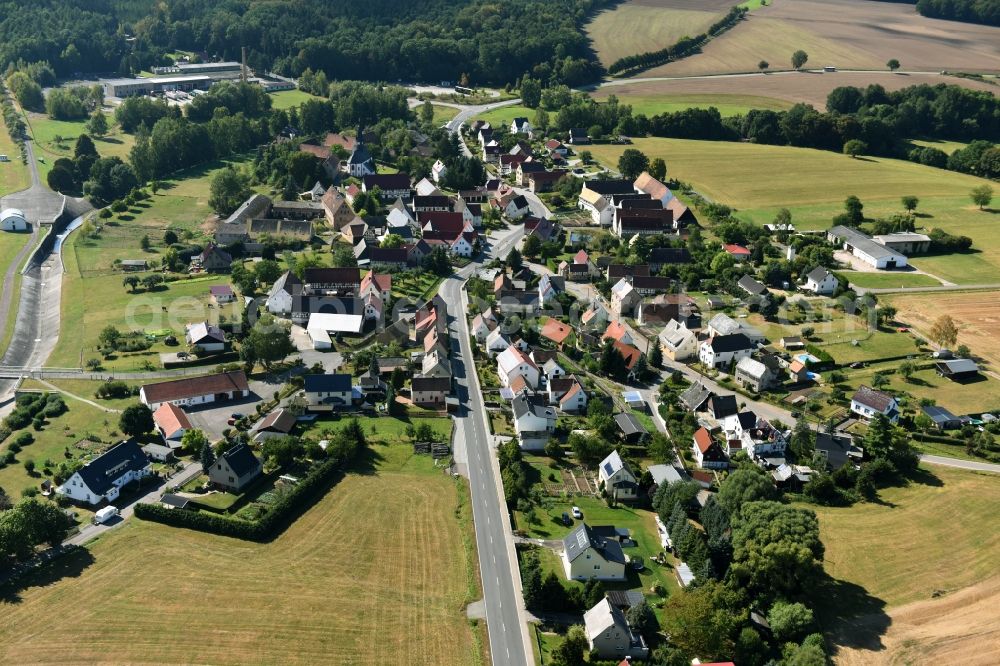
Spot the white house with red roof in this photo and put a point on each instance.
(737, 252)
(378, 284)
(512, 362)
(617, 332)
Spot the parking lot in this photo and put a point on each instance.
(213, 418)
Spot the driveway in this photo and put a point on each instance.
(213, 418)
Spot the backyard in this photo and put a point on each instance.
(305, 597)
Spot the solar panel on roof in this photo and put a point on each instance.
(608, 469)
(581, 539)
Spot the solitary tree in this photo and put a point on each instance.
(427, 112)
(144, 243)
(228, 190)
(893, 64)
(854, 209)
(131, 282)
(169, 236)
(206, 456)
(910, 202)
(944, 331)
(879, 380)
(981, 196)
(763, 65)
(656, 355)
(855, 147)
(136, 420)
(799, 58)
(97, 124)
(632, 163)
(906, 369)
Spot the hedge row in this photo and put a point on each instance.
(278, 516)
(685, 46)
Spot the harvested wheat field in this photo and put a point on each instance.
(959, 628)
(849, 34)
(638, 26)
(938, 535)
(977, 315)
(378, 572)
(784, 87)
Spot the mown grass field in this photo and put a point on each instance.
(287, 99)
(751, 178)
(505, 114)
(13, 174)
(967, 397)
(653, 104)
(443, 114)
(892, 280)
(377, 572)
(939, 535)
(638, 26)
(45, 131)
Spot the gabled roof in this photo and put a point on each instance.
(280, 420)
(736, 250)
(170, 418)
(613, 464)
(723, 324)
(729, 343)
(556, 331)
(664, 474)
(583, 538)
(651, 186)
(722, 406)
(869, 397)
(695, 396)
(615, 331)
(817, 274)
(241, 460)
(751, 286)
(958, 366)
(669, 255)
(630, 353)
(178, 389)
(335, 383)
(574, 388)
(533, 404)
(602, 617)
(629, 425)
(348, 275)
(752, 368)
(204, 331)
(431, 384)
(100, 473)
(622, 288)
(382, 282)
(703, 439)
(609, 187)
(512, 357)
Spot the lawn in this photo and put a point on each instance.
(330, 589)
(287, 99)
(639, 522)
(889, 280)
(971, 397)
(728, 105)
(45, 130)
(83, 388)
(505, 114)
(387, 429)
(938, 535)
(730, 173)
(442, 114)
(846, 338)
(13, 174)
(947, 146)
(59, 435)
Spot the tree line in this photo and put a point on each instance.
(475, 41)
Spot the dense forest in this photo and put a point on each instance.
(986, 12)
(423, 40)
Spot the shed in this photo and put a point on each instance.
(959, 368)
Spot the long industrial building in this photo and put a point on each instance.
(157, 84)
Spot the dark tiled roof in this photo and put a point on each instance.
(583, 538)
(241, 460)
(327, 383)
(100, 473)
(728, 343)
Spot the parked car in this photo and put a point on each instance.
(236, 415)
(231, 422)
(567, 521)
(577, 513)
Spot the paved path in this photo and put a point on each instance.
(80, 398)
(974, 465)
(648, 79)
(944, 287)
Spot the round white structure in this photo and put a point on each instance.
(12, 219)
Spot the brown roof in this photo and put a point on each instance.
(280, 420)
(351, 275)
(179, 389)
(346, 142)
(872, 398)
(615, 331)
(316, 151)
(651, 186)
(556, 331)
(519, 383)
(573, 390)
(383, 282)
(170, 418)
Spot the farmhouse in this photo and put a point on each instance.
(429, 391)
(721, 350)
(599, 208)
(205, 337)
(568, 392)
(664, 256)
(754, 375)
(587, 555)
(235, 468)
(864, 248)
(102, 478)
(677, 342)
(214, 259)
(534, 421)
(867, 402)
(328, 392)
(171, 422)
(646, 184)
(617, 477)
(609, 634)
(196, 390)
(821, 282)
(391, 186)
(222, 293)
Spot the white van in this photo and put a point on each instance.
(105, 515)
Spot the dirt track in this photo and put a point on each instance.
(846, 34)
(959, 628)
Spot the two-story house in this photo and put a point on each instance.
(721, 350)
(102, 478)
(235, 468)
(587, 553)
(328, 392)
(867, 402)
(617, 477)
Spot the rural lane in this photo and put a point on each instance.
(973, 465)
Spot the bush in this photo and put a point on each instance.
(23, 439)
(114, 389)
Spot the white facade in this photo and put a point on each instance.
(438, 171)
(713, 359)
(677, 342)
(512, 362)
(12, 219)
(822, 285)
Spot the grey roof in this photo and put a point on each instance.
(628, 424)
(175, 501)
(722, 406)
(664, 474)
(862, 242)
(723, 324)
(837, 448)
(958, 366)
(695, 396)
(939, 415)
(241, 460)
(870, 397)
(583, 538)
(536, 405)
(729, 343)
(100, 473)
(817, 274)
(613, 463)
(749, 284)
